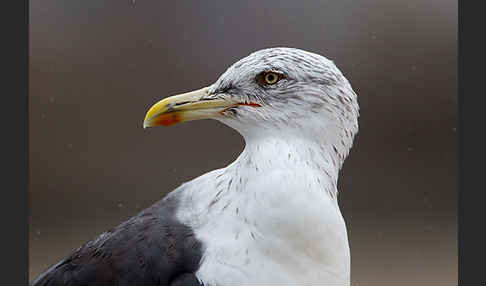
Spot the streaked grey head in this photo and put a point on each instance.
(310, 97)
(279, 92)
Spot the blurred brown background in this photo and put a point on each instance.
(96, 66)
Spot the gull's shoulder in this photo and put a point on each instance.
(151, 248)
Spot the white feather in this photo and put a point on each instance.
(277, 223)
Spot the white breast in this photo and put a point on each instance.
(267, 226)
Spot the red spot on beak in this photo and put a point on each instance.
(168, 119)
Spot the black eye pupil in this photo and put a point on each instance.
(271, 77)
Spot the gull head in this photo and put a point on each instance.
(272, 92)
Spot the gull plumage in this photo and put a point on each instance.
(269, 218)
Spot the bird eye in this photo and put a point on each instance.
(269, 78)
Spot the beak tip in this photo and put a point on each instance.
(167, 112)
(146, 124)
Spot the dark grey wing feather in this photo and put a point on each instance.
(152, 248)
(188, 279)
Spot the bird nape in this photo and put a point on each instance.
(269, 218)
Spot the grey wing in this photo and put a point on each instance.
(151, 248)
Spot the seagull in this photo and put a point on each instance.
(269, 218)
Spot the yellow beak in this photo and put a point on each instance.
(185, 107)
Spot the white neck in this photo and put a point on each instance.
(270, 153)
(275, 204)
